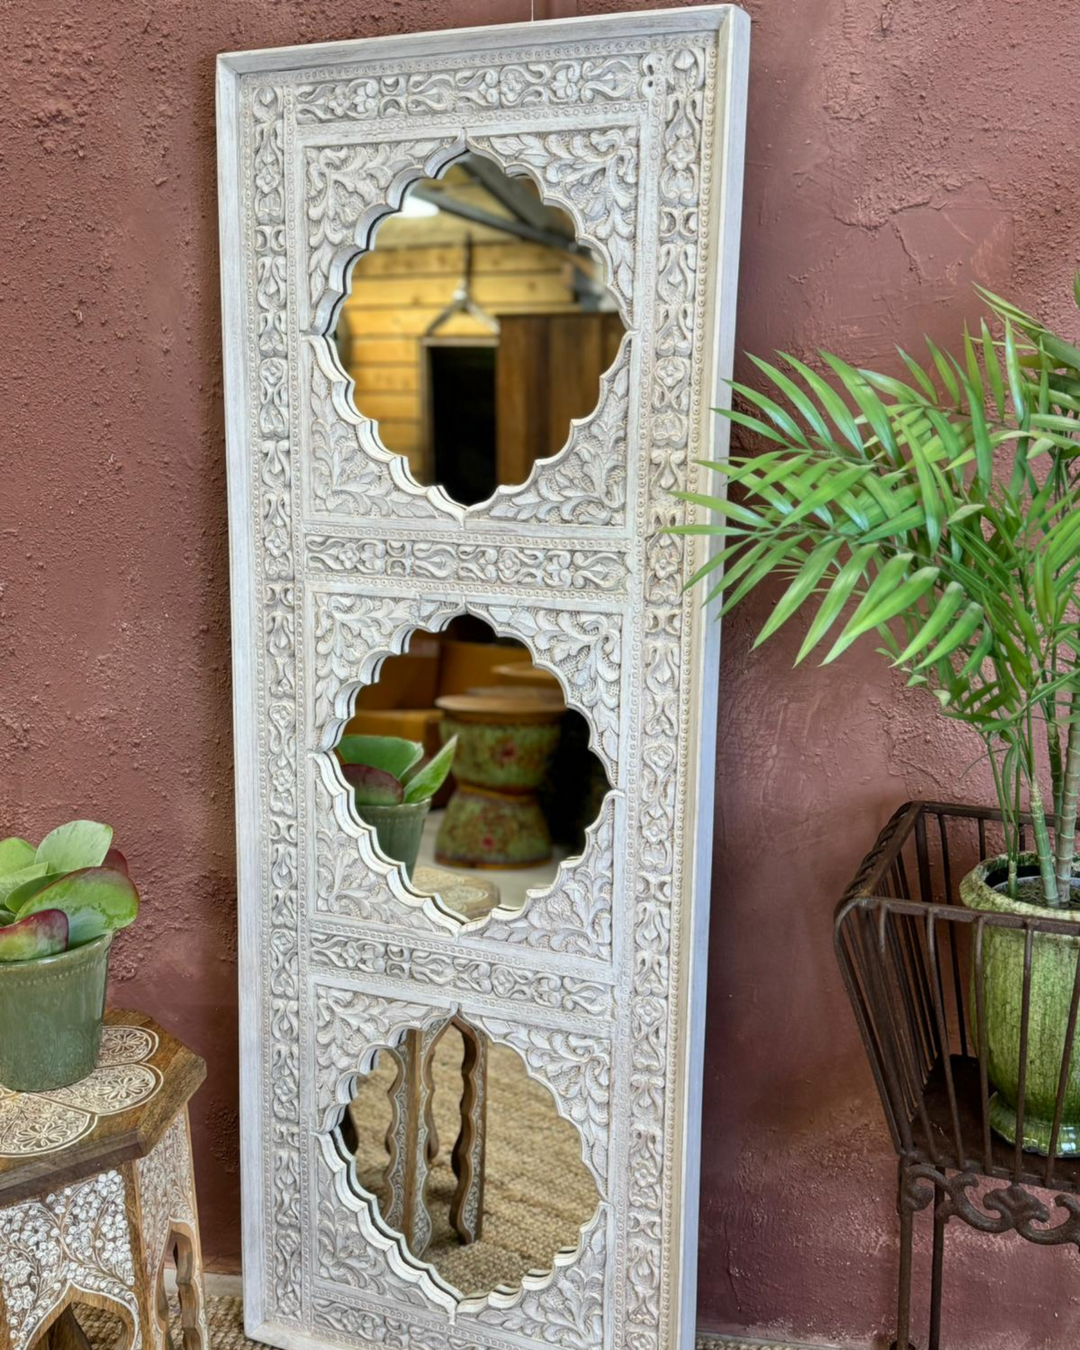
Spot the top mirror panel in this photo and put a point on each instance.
(476, 329)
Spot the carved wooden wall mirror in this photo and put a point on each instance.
(478, 299)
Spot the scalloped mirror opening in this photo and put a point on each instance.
(524, 785)
(476, 328)
(468, 1159)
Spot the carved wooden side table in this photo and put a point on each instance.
(96, 1190)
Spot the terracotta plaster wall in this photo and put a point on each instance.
(898, 150)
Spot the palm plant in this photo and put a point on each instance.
(942, 513)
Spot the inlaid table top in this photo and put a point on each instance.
(143, 1078)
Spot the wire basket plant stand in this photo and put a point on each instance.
(913, 963)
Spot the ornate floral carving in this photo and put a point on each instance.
(481, 565)
(348, 189)
(353, 631)
(567, 1312)
(574, 916)
(576, 1066)
(487, 981)
(348, 1025)
(586, 483)
(350, 472)
(682, 163)
(594, 175)
(585, 650)
(498, 84)
(272, 513)
(75, 1238)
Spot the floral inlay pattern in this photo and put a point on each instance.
(33, 1123)
(76, 1237)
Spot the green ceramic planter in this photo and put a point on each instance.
(1053, 967)
(50, 1017)
(398, 829)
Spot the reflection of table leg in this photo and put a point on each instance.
(413, 1143)
(467, 1207)
(407, 1139)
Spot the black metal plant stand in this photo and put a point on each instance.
(912, 959)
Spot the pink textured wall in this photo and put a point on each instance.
(898, 150)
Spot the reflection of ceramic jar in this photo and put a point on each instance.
(505, 744)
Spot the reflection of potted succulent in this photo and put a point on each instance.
(60, 904)
(393, 787)
(943, 515)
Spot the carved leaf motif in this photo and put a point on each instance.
(577, 1068)
(586, 483)
(348, 189)
(491, 980)
(348, 1024)
(525, 565)
(350, 630)
(569, 1312)
(594, 176)
(350, 472)
(586, 651)
(574, 916)
(500, 84)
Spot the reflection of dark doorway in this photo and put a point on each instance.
(461, 419)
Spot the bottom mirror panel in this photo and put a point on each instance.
(468, 1158)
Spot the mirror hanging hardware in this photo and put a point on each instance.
(463, 302)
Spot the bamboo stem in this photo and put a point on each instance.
(1065, 826)
(1042, 843)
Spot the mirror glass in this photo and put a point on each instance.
(466, 1156)
(523, 785)
(475, 329)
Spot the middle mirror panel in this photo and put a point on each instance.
(476, 329)
(497, 813)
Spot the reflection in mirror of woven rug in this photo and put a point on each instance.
(538, 1192)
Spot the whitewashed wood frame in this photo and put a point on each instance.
(633, 124)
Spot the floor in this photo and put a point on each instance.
(226, 1317)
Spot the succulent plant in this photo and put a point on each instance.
(72, 888)
(391, 771)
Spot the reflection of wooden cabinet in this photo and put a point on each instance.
(547, 371)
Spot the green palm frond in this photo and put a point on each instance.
(941, 511)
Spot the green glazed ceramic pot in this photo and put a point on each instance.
(398, 829)
(50, 1017)
(1053, 967)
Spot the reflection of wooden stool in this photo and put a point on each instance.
(413, 1143)
(96, 1189)
(472, 897)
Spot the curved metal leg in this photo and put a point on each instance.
(903, 1310)
(940, 1220)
